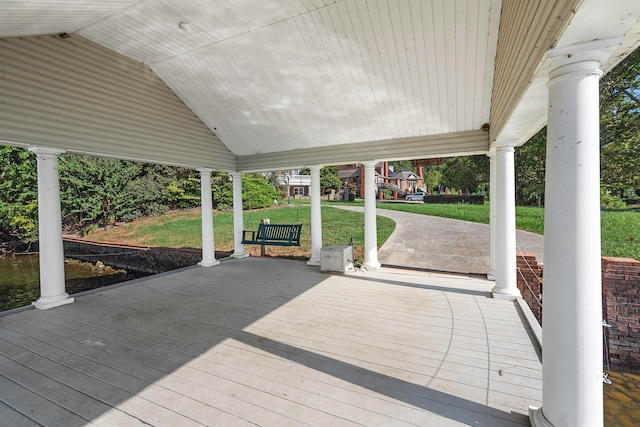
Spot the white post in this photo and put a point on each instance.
(52, 284)
(491, 274)
(208, 251)
(238, 221)
(572, 308)
(316, 217)
(370, 232)
(505, 247)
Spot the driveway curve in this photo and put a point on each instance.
(443, 244)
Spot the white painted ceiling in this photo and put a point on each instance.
(269, 76)
(277, 75)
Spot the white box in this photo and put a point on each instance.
(336, 258)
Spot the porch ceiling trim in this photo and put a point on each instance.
(445, 145)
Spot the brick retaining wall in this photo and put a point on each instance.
(620, 304)
(530, 282)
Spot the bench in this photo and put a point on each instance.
(273, 235)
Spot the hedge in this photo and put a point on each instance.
(454, 199)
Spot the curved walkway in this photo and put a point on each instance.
(448, 245)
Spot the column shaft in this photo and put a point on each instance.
(370, 228)
(572, 307)
(316, 217)
(491, 274)
(52, 281)
(208, 246)
(238, 220)
(505, 245)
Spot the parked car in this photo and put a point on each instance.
(419, 195)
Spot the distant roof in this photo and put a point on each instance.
(406, 175)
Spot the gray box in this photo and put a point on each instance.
(336, 258)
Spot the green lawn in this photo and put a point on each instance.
(183, 229)
(620, 229)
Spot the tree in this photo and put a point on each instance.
(466, 172)
(432, 177)
(329, 178)
(620, 126)
(97, 189)
(18, 194)
(400, 165)
(530, 161)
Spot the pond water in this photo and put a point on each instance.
(20, 278)
(622, 400)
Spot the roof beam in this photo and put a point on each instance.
(446, 145)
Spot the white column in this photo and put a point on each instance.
(370, 231)
(52, 285)
(491, 274)
(505, 220)
(316, 217)
(208, 251)
(572, 306)
(238, 221)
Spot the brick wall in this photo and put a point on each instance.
(621, 309)
(620, 304)
(530, 282)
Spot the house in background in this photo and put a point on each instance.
(399, 183)
(297, 184)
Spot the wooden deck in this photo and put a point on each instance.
(272, 343)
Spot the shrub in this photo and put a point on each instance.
(454, 199)
(607, 201)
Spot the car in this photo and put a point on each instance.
(419, 195)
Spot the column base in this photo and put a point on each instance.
(315, 262)
(208, 263)
(537, 419)
(491, 275)
(508, 294)
(51, 302)
(372, 265)
(240, 255)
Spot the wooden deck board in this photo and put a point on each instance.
(272, 342)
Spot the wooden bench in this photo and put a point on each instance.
(273, 235)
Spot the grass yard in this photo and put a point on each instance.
(183, 229)
(530, 219)
(620, 229)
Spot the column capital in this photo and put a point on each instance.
(204, 170)
(584, 58)
(235, 174)
(504, 145)
(369, 163)
(46, 151)
(314, 167)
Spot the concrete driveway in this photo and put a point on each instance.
(448, 245)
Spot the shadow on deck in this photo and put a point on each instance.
(272, 342)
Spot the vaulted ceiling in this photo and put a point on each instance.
(283, 83)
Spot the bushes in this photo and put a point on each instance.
(100, 191)
(257, 193)
(454, 199)
(607, 201)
